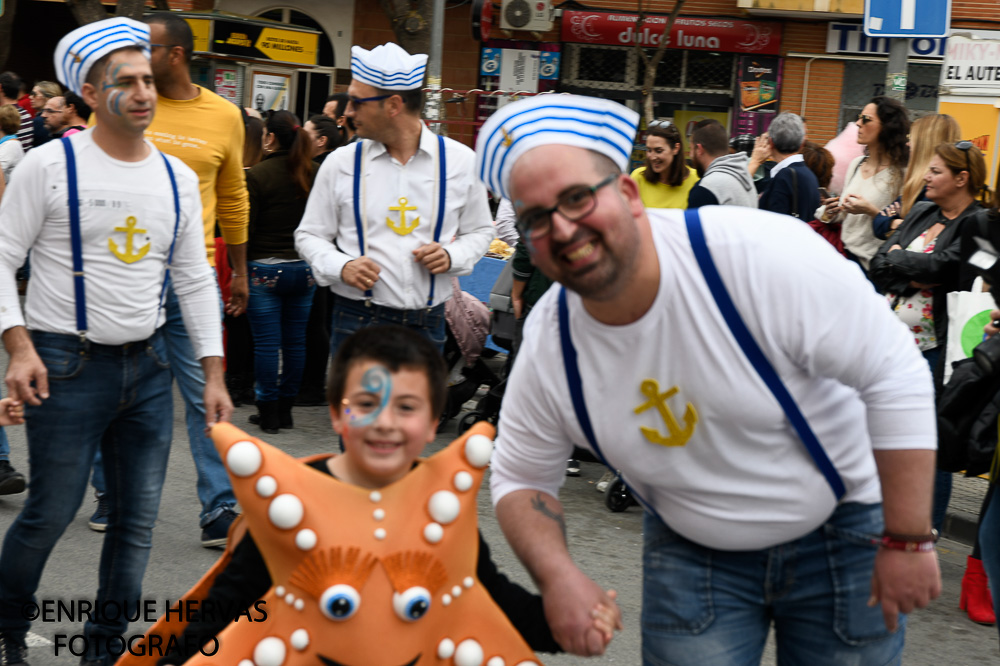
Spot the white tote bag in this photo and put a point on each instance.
(968, 313)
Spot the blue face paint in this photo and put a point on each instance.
(376, 381)
(114, 99)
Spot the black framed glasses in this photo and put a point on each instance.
(48, 111)
(575, 204)
(865, 118)
(964, 146)
(358, 101)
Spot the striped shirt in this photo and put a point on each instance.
(26, 135)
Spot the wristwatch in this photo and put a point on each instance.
(923, 543)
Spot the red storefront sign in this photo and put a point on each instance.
(700, 34)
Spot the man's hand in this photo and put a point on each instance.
(569, 607)
(360, 273)
(27, 378)
(990, 329)
(904, 581)
(239, 293)
(434, 257)
(218, 404)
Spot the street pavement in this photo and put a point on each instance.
(606, 545)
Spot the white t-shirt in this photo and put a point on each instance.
(127, 222)
(11, 153)
(742, 478)
(392, 192)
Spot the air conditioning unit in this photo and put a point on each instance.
(534, 15)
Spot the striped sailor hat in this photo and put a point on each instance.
(79, 50)
(388, 67)
(573, 120)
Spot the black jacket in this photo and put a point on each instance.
(782, 196)
(276, 208)
(892, 272)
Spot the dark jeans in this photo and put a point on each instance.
(350, 316)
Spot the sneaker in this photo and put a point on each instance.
(572, 467)
(216, 529)
(11, 481)
(99, 521)
(12, 651)
(602, 485)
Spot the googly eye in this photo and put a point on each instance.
(339, 602)
(411, 604)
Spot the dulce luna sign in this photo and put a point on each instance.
(702, 34)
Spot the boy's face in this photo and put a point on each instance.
(385, 421)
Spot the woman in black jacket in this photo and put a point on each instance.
(281, 284)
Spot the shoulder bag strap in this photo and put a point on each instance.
(795, 192)
(754, 354)
(442, 191)
(76, 242)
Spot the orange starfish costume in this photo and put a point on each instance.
(360, 577)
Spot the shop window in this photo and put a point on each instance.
(867, 80)
(709, 71)
(668, 72)
(597, 63)
(324, 57)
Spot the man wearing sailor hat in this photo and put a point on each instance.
(107, 219)
(392, 217)
(771, 415)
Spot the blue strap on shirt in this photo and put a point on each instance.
(746, 341)
(76, 241)
(442, 192)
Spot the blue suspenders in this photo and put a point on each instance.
(746, 341)
(439, 223)
(79, 287)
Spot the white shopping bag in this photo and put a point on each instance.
(968, 313)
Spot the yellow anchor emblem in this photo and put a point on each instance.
(128, 256)
(401, 227)
(677, 437)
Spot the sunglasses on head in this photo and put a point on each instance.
(964, 146)
(659, 124)
(865, 118)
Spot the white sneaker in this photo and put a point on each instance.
(602, 485)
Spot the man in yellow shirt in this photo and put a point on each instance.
(205, 132)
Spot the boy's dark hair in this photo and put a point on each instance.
(178, 31)
(394, 347)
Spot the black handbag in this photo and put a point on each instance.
(968, 409)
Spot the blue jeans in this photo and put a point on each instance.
(280, 298)
(4, 445)
(350, 316)
(116, 399)
(705, 607)
(989, 545)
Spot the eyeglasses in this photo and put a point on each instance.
(575, 204)
(358, 101)
(865, 118)
(48, 111)
(964, 146)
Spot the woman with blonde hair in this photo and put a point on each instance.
(925, 134)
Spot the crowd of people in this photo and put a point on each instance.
(338, 235)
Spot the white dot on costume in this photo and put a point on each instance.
(527, 663)
(496, 661)
(299, 639)
(444, 506)
(289, 598)
(266, 486)
(467, 582)
(463, 481)
(305, 539)
(280, 591)
(245, 662)
(478, 450)
(243, 459)
(285, 511)
(269, 652)
(299, 604)
(378, 514)
(468, 653)
(433, 532)
(375, 496)
(445, 599)
(446, 648)
(456, 591)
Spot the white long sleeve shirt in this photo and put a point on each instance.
(327, 237)
(738, 476)
(127, 224)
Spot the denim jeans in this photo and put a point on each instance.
(989, 545)
(350, 316)
(4, 445)
(280, 299)
(116, 399)
(705, 607)
(214, 489)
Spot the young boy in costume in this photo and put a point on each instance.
(386, 388)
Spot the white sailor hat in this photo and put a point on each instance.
(388, 67)
(573, 120)
(79, 50)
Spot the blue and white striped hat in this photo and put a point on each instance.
(79, 50)
(388, 67)
(572, 120)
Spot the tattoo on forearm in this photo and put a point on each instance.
(539, 505)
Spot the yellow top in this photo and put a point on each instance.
(661, 195)
(206, 133)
